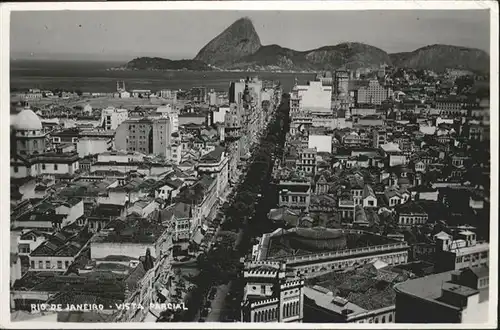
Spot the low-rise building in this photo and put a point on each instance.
(448, 297)
(411, 214)
(294, 194)
(181, 216)
(362, 295)
(462, 252)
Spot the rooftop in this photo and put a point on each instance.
(214, 156)
(430, 288)
(303, 241)
(133, 231)
(366, 288)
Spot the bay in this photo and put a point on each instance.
(95, 77)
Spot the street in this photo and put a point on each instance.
(218, 304)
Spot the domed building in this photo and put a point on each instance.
(28, 133)
(29, 157)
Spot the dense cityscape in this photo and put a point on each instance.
(360, 196)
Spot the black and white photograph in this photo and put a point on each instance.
(250, 163)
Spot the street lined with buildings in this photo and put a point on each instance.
(331, 204)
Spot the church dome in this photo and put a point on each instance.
(27, 120)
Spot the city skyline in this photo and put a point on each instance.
(107, 35)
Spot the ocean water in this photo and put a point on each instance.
(94, 77)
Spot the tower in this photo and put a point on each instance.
(120, 86)
(28, 133)
(269, 296)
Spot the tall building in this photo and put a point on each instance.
(146, 135)
(111, 117)
(237, 90)
(245, 111)
(341, 85)
(269, 295)
(373, 93)
(172, 115)
(212, 98)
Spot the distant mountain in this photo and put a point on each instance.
(441, 57)
(347, 55)
(157, 63)
(238, 40)
(239, 47)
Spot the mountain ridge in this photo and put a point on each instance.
(238, 47)
(440, 56)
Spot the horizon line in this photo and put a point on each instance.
(25, 55)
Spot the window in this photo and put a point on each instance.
(32, 264)
(294, 199)
(302, 199)
(16, 169)
(390, 317)
(55, 167)
(383, 319)
(59, 265)
(47, 264)
(40, 264)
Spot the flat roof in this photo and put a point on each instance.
(427, 287)
(304, 241)
(325, 301)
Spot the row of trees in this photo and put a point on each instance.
(221, 265)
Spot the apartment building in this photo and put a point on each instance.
(373, 93)
(145, 135)
(111, 117)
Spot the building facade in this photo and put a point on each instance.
(111, 118)
(269, 296)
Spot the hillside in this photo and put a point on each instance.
(441, 57)
(348, 55)
(157, 63)
(237, 41)
(239, 47)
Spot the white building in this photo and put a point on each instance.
(314, 97)
(322, 143)
(219, 114)
(172, 115)
(111, 117)
(93, 145)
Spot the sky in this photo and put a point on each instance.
(123, 35)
